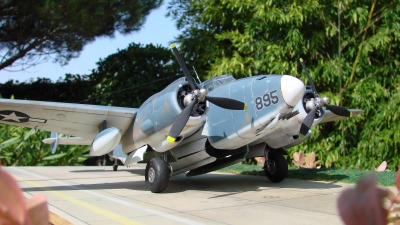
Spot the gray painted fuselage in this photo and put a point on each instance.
(223, 129)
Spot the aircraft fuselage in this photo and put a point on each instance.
(267, 97)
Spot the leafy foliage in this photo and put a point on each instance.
(349, 46)
(385, 178)
(23, 147)
(47, 27)
(130, 76)
(73, 88)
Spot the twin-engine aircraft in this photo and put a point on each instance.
(189, 127)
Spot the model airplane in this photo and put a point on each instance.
(190, 127)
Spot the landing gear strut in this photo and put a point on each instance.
(112, 158)
(275, 167)
(157, 175)
(115, 167)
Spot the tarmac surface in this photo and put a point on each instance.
(99, 195)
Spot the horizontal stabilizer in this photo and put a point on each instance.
(68, 141)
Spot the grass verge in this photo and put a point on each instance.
(386, 178)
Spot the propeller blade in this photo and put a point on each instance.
(313, 88)
(227, 103)
(185, 70)
(338, 110)
(308, 121)
(180, 122)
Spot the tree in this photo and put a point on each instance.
(351, 48)
(130, 76)
(30, 32)
(73, 88)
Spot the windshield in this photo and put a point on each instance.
(217, 82)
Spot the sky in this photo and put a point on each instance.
(158, 29)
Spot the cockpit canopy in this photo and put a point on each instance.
(210, 84)
(215, 82)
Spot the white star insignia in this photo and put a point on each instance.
(12, 117)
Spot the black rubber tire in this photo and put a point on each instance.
(115, 167)
(157, 175)
(280, 170)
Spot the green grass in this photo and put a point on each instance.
(387, 178)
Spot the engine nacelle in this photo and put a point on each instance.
(156, 116)
(288, 134)
(105, 141)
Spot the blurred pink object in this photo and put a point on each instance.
(260, 160)
(15, 209)
(305, 161)
(381, 167)
(363, 205)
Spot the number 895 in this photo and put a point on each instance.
(267, 100)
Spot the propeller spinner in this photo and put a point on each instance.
(316, 103)
(197, 95)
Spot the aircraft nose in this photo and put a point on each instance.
(292, 89)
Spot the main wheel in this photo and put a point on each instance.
(276, 167)
(157, 175)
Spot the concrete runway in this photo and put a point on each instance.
(99, 195)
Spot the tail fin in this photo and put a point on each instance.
(54, 145)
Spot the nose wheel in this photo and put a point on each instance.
(275, 167)
(157, 175)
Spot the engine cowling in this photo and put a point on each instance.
(156, 116)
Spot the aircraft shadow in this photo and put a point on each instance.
(134, 185)
(121, 168)
(215, 182)
(239, 183)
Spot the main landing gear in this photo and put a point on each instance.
(276, 166)
(157, 175)
(115, 167)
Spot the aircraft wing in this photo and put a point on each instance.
(329, 116)
(66, 118)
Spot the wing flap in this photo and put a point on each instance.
(66, 118)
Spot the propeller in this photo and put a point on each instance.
(180, 122)
(185, 70)
(227, 103)
(317, 103)
(197, 95)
